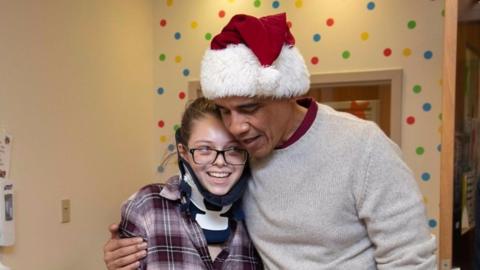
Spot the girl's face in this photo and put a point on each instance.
(217, 177)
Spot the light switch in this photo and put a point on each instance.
(65, 210)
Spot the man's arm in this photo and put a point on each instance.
(123, 254)
(392, 208)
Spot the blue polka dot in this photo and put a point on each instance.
(425, 176)
(371, 5)
(186, 72)
(275, 4)
(171, 147)
(432, 223)
(428, 55)
(160, 169)
(160, 91)
(427, 107)
(316, 37)
(178, 35)
(439, 148)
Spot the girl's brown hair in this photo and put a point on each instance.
(198, 109)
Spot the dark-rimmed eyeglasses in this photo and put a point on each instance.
(207, 155)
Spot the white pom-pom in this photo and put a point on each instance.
(268, 79)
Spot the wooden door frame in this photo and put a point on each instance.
(448, 133)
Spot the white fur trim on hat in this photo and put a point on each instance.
(236, 71)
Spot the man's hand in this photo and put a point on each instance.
(123, 254)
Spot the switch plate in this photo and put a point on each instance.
(65, 204)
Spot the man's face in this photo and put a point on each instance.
(258, 124)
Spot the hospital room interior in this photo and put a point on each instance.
(92, 92)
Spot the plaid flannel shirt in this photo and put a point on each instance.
(174, 239)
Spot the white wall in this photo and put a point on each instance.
(76, 86)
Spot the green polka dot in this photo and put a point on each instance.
(420, 150)
(346, 54)
(257, 3)
(208, 36)
(411, 24)
(417, 89)
(175, 127)
(443, 12)
(440, 116)
(162, 57)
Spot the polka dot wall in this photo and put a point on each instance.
(333, 36)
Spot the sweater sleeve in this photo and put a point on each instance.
(392, 209)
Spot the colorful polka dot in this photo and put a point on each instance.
(425, 176)
(411, 24)
(439, 148)
(208, 36)
(428, 55)
(410, 120)
(407, 52)
(440, 116)
(177, 35)
(364, 36)
(387, 52)
(420, 150)
(314, 60)
(231, 1)
(427, 107)
(316, 37)
(181, 95)
(432, 223)
(171, 147)
(169, 3)
(417, 89)
(275, 4)
(330, 22)
(163, 22)
(257, 3)
(160, 169)
(371, 5)
(194, 24)
(298, 3)
(163, 138)
(443, 13)
(176, 127)
(425, 199)
(161, 124)
(346, 54)
(160, 91)
(221, 13)
(162, 57)
(186, 72)
(178, 59)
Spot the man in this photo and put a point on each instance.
(328, 190)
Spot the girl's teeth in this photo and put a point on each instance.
(218, 174)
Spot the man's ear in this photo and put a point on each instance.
(182, 151)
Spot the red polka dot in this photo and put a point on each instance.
(314, 60)
(387, 52)
(410, 120)
(181, 95)
(161, 123)
(330, 21)
(221, 13)
(289, 24)
(163, 22)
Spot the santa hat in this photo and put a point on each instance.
(254, 57)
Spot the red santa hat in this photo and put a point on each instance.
(254, 57)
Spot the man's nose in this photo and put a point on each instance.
(238, 124)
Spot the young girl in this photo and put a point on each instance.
(195, 220)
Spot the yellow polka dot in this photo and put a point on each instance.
(407, 52)
(231, 1)
(178, 59)
(163, 138)
(440, 82)
(364, 36)
(169, 3)
(194, 24)
(298, 3)
(425, 200)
